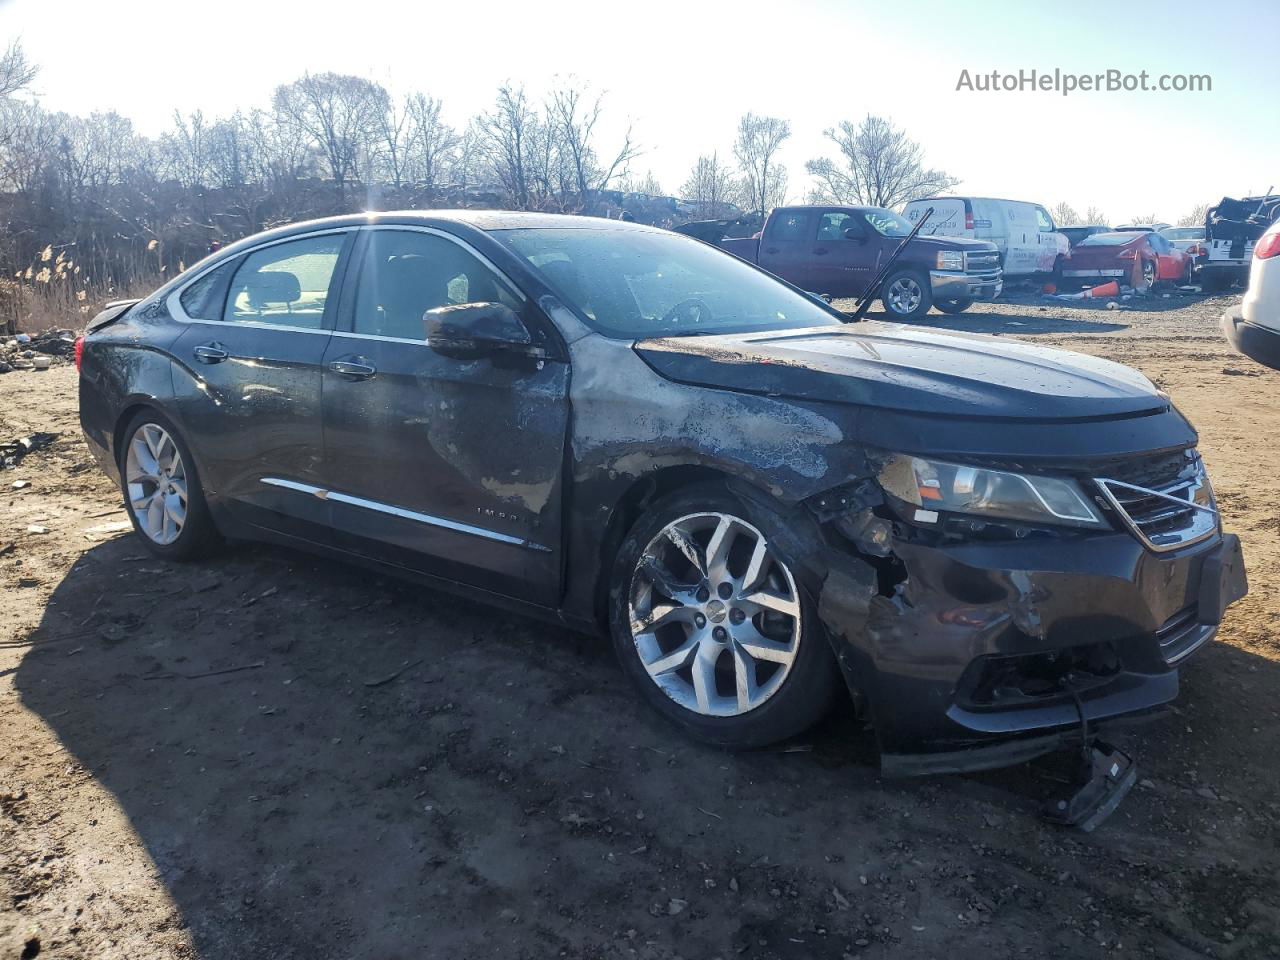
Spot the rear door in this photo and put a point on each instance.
(247, 378)
(786, 248)
(445, 466)
(1024, 237)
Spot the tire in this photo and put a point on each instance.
(1150, 274)
(953, 306)
(155, 484)
(689, 618)
(1055, 275)
(906, 295)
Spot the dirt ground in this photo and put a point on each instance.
(267, 755)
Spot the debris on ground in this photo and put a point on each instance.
(11, 454)
(27, 352)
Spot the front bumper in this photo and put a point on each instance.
(971, 662)
(954, 285)
(1253, 340)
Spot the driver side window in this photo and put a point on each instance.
(406, 273)
(1044, 220)
(833, 225)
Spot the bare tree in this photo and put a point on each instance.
(185, 150)
(432, 142)
(16, 71)
(879, 166)
(647, 185)
(1064, 215)
(572, 120)
(764, 179)
(395, 132)
(29, 136)
(1196, 217)
(508, 138)
(1095, 216)
(1145, 218)
(339, 114)
(711, 188)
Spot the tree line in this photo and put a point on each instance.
(91, 208)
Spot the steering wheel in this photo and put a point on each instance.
(692, 310)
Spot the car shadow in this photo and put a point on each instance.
(321, 762)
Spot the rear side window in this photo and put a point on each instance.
(406, 273)
(203, 300)
(786, 227)
(286, 283)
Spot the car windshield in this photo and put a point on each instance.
(633, 284)
(1107, 240)
(887, 223)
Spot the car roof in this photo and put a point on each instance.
(1029, 203)
(484, 220)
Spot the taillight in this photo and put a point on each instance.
(1268, 246)
(1127, 254)
(1195, 250)
(968, 219)
(79, 351)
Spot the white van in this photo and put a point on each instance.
(1024, 233)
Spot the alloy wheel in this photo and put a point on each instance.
(157, 484)
(715, 614)
(904, 295)
(1149, 274)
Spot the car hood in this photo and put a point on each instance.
(951, 243)
(909, 370)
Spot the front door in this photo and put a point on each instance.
(247, 385)
(452, 467)
(843, 264)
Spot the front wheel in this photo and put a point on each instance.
(953, 306)
(710, 623)
(906, 295)
(162, 491)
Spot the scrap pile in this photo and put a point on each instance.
(26, 352)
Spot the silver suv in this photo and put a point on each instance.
(1253, 326)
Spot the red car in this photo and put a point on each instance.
(1139, 259)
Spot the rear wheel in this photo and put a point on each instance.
(1149, 275)
(162, 490)
(906, 295)
(953, 306)
(710, 623)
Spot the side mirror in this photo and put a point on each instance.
(853, 233)
(466, 331)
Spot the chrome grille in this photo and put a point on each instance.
(1171, 508)
(985, 262)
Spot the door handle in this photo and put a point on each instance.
(353, 368)
(210, 352)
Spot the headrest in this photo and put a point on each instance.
(272, 286)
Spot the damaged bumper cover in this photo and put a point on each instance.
(976, 656)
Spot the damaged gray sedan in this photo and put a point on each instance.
(990, 545)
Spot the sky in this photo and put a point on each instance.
(681, 73)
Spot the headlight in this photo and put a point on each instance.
(950, 260)
(956, 488)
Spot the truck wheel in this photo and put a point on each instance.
(953, 306)
(906, 295)
(709, 620)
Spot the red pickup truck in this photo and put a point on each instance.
(838, 251)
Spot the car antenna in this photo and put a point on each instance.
(870, 295)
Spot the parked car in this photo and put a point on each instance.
(1232, 227)
(838, 251)
(623, 430)
(1024, 233)
(1184, 238)
(1077, 233)
(1140, 259)
(1143, 227)
(1253, 326)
